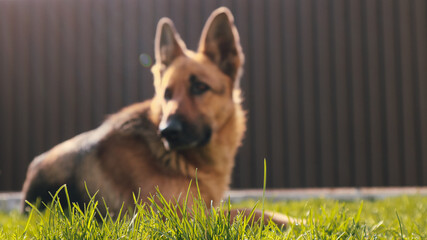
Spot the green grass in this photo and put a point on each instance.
(402, 217)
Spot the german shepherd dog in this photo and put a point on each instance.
(194, 121)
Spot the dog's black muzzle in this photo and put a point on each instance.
(178, 134)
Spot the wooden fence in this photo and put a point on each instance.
(336, 89)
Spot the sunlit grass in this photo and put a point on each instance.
(402, 217)
(392, 218)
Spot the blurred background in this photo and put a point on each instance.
(336, 90)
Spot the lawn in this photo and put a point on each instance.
(402, 217)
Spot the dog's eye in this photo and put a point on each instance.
(168, 94)
(197, 87)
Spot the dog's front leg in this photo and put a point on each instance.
(279, 219)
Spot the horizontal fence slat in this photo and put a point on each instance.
(131, 51)
(84, 66)
(6, 91)
(37, 111)
(114, 49)
(375, 94)
(409, 155)
(68, 35)
(53, 83)
(100, 59)
(391, 94)
(357, 75)
(421, 72)
(257, 70)
(292, 88)
(21, 92)
(146, 43)
(342, 93)
(275, 95)
(309, 93)
(323, 66)
(242, 171)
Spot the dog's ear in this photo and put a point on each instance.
(168, 44)
(220, 42)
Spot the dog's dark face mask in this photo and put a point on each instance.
(178, 134)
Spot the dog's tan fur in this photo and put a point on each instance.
(126, 154)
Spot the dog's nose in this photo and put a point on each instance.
(172, 130)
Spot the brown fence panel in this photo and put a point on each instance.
(336, 91)
(6, 95)
(419, 56)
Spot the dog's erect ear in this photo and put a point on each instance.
(168, 44)
(220, 42)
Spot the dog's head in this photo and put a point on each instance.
(197, 91)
